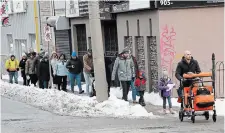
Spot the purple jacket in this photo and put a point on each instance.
(162, 86)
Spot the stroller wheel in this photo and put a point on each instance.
(214, 118)
(181, 115)
(206, 115)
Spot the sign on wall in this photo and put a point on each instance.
(47, 32)
(19, 6)
(130, 5)
(83, 7)
(72, 8)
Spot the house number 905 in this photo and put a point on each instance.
(165, 2)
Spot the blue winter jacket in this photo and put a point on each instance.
(61, 69)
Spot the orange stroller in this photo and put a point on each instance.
(199, 96)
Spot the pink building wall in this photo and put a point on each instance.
(200, 30)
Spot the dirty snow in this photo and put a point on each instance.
(155, 99)
(63, 103)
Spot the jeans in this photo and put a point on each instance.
(87, 81)
(13, 75)
(43, 84)
(169, 101)
(134, 91)
(74, 77)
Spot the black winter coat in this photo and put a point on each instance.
(183, 67)
(44, 73)
(22, 66)
(75, 66)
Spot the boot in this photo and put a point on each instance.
(142, 102)
(171, 111)
(164, 111)
(72, 89)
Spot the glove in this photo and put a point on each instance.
(28, 77)
(17, 69)
(8, 70)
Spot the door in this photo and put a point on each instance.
(62, 44)
(81, 43)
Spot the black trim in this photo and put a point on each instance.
(70, 41)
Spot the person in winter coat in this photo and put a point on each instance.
(44, 72)
(22, 68)
(61, 72)
(54, 60)
(30, 70)
(75, 67)
(37, 61)
(163, 86)
(12, 67)
(140, 85)
(186, 65)
(124, 67)
(88, 69)
(108, 62)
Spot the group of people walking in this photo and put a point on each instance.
(36, 68)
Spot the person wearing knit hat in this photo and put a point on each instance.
(30, 70)
(124, 67)
(54, 60)
(44, 72)
(75, 66)
(22, 68)
(12, 67)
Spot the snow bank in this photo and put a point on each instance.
(63, 103)
(155, 99)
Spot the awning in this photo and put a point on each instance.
(59, 22)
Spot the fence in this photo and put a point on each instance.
(219, 83)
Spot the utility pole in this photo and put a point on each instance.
(98, 51)
(36, 26)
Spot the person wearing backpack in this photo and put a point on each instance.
(12, 67)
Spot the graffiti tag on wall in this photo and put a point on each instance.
(167, 48)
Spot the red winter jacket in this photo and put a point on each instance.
(140, 84)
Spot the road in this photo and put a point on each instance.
(18, 117)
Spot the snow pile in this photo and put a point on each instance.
(155, 99)
(64, 103)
